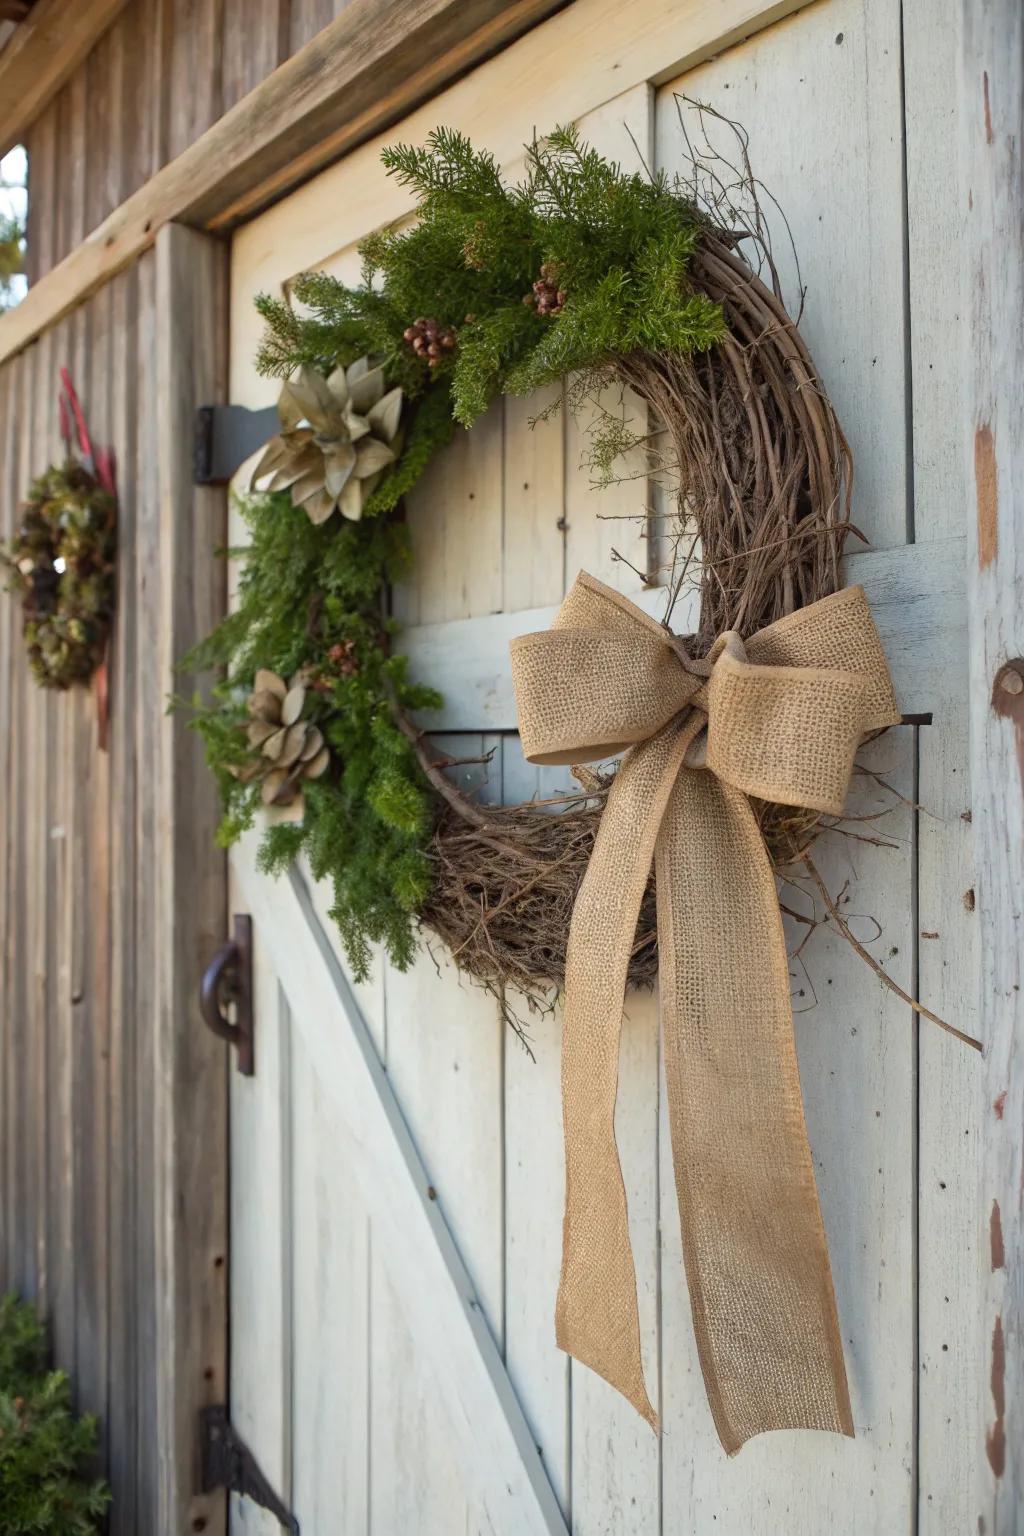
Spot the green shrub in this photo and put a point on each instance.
(45, 1451)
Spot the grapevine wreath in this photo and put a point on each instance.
(580, 274)
(61, 559)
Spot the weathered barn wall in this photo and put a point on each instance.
(101, 1043)
(164, 73)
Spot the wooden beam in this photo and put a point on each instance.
(42, 53)
(991, 115)
(916, 595)
(375, 62)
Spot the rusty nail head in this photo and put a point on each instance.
(1010, 679)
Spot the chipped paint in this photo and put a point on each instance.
(999, 1104)
(995, 1440)
(995, 1234)
(986, 490)
(988, 108)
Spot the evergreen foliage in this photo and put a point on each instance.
(45, 1451)
(614, 250)
(620, 244)
(307, 591)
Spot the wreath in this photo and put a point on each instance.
(61, 561)
(582, 275)
(741, 736)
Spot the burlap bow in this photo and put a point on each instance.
(778, 716)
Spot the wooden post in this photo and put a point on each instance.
(190, 1065)
(992, 184)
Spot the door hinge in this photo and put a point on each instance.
(227, 1462)
(225, 437)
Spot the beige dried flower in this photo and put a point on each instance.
(337, 437)
(290, 749)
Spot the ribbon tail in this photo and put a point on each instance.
(754, 1245)
(596, 1318)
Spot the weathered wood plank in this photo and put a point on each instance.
(915, 597)
(43, 52)
(149, 685)
(331, 1302)
(953, 1243)
(190, 1133)
(991, 108)
(500, 1464)
(261, 1242)
(124, 1301)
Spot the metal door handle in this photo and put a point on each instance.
(228, 980)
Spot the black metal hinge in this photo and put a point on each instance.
(227, 1462)
(225, 437)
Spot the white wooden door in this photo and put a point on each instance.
(396, 1161)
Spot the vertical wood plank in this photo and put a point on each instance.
(124, 1101)
(455, 520)
(952, 1245)
(991, 107)
(606, 526)
(261, 1241)
(533, 496)
(17, 994)
(190, 1068)
(35, 745)
(804, 91)
(8, 640)
(92, 1037)
(331, 1307)
(145, 586)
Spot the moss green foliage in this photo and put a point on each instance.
(61, 563)
(616, 247)
(310, 600)
(45, 1451)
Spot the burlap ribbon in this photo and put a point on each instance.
(778, 716)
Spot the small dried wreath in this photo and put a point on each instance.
(61, 563)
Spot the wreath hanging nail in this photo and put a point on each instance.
(61, 559)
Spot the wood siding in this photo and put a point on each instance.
(112, 1095)
(164, 73)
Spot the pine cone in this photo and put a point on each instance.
(343, 659)
(547, 298)
(290, 749)
(431, 340)
(337, 437)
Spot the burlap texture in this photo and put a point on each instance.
(784, 712)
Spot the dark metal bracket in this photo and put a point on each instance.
(225, 437)
(227, 1462)
(227, 981)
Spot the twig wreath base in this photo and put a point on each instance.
(665, 294)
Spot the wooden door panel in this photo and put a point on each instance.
(501, 525)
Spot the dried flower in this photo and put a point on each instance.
(337, 436)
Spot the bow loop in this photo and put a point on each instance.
(603, 678)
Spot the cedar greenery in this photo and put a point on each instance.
(305, 590)
(45, 1451)
(621, 245)
(485, 260)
